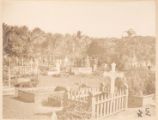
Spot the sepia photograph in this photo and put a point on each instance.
(79, 60)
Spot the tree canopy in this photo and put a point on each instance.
(22, 42)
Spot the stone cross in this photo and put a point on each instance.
(113, 75)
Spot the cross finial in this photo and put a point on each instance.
(113, 66)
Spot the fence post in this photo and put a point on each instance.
(111, 102)
(114, 102)
(126, 106)
(93, 106)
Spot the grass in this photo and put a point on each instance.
(69, 81)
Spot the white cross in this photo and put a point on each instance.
(113, 75)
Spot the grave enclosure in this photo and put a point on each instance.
(101, 103)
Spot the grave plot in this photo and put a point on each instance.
(96, 103)
(141, 101)
(19, 77)
(93, 104)
(30, 94)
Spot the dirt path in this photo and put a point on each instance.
(131, 114)
(14, 108)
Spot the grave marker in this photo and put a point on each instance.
(113, 75)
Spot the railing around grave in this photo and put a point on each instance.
(102, 104)
(106, 104)
(24, 70)
(82, 94)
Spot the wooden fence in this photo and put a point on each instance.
(107, 104)
(82, 94)
(24, 70)
(103, 104)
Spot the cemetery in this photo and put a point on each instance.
(82, 101)
(93, 80)
(85, 98)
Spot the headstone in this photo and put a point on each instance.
(113, 75)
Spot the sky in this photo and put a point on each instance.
(96, 19)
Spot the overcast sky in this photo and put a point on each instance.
(97, 19)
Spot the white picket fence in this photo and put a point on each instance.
(107, 104)
(24, 70)
(82, 94)
(103, 104)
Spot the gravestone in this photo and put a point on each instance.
(113, 75)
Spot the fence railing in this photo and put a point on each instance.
(106, 104)
(82, 94)
(103, 104)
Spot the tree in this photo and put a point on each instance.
(95, 49)
(130, 32)
(15, 40)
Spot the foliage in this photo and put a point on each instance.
(141, 81)
(21, 42)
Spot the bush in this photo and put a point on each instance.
(140, 81)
